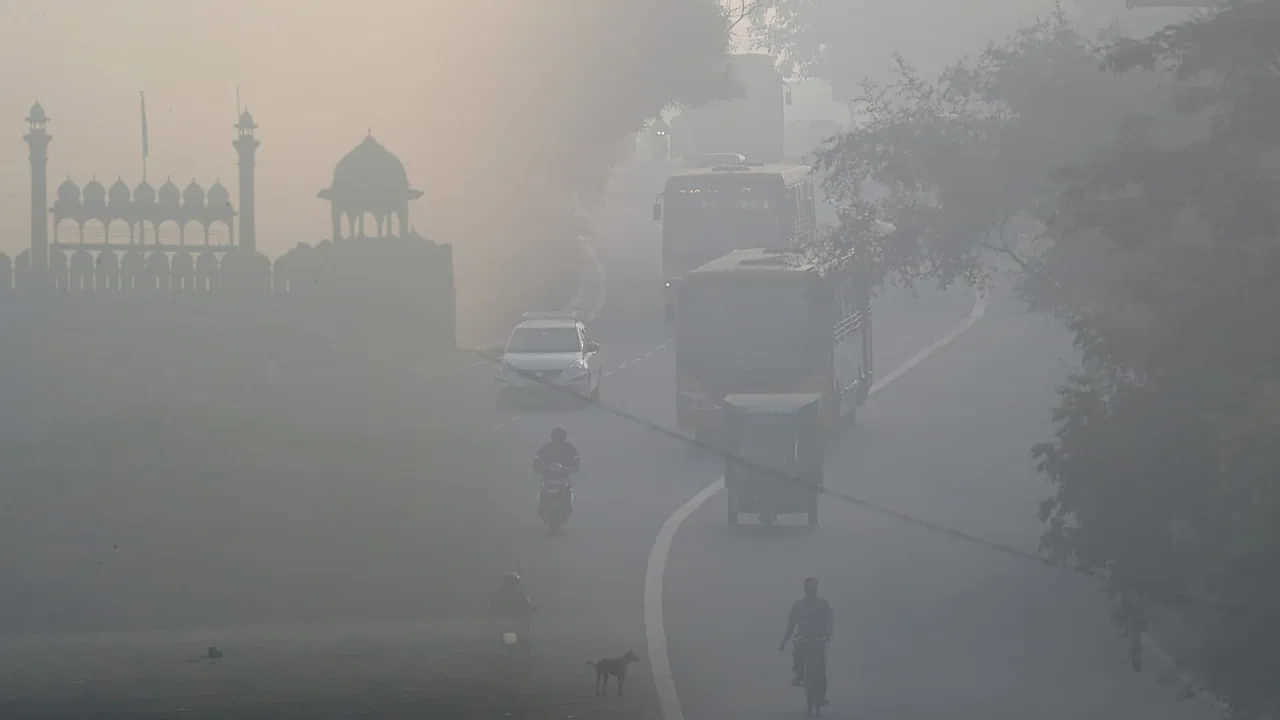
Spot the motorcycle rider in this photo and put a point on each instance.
(812, 621)
(510, 599)
(511, 602)
(557, 451)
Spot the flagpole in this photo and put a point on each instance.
(142, 104)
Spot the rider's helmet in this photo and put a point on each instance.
(559, 435)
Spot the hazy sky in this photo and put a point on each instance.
(422, 74)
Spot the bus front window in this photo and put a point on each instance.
(704, 222)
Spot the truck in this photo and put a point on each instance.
(770, 321)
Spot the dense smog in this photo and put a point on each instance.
(601, 359)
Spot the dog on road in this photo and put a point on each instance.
(612, 667)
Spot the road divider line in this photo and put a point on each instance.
(979, 309)
(654, 623)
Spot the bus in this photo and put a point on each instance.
(775, 322)
(750, 121)
(706, 212)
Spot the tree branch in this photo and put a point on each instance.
(1003, 248)
(745, 11)
(1007, 251)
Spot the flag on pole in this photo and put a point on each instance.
(142, 100)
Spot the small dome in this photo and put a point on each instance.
(119, 196)
(95, 196)
(168, 195)
(36, 115)
(370, 175)
(144, 194)
(193, 195)
(246, 121)
(69, 192)
(218, 196)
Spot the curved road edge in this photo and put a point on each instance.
(654, 627)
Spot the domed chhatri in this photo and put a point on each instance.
(168, 197)
(95, 196)
(218, 195)
(370, 179)
(36, 116)
(144, 195)
(142, 206)
(371, 167)
(193, 197)
(69, 192)
(119, 196)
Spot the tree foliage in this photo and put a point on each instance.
(964, 164)
(1164, 458)
(1138, 187)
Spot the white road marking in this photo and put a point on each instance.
(654, 628)
(979, 309)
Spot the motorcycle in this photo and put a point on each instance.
(813, 668)
(555, 499)
(515, 647)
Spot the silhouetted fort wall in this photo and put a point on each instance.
(376, 296)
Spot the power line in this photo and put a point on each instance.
(900, 516)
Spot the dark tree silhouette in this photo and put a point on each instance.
(1165, 459)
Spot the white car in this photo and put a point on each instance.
(548, 352)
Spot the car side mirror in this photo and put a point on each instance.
(592, 346)
(657, 210)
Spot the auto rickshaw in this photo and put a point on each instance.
(774, 454)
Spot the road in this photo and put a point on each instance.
(927, 626)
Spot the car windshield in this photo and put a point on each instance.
(544, 340)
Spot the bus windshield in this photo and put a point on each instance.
(705, 220)
(749, 326)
